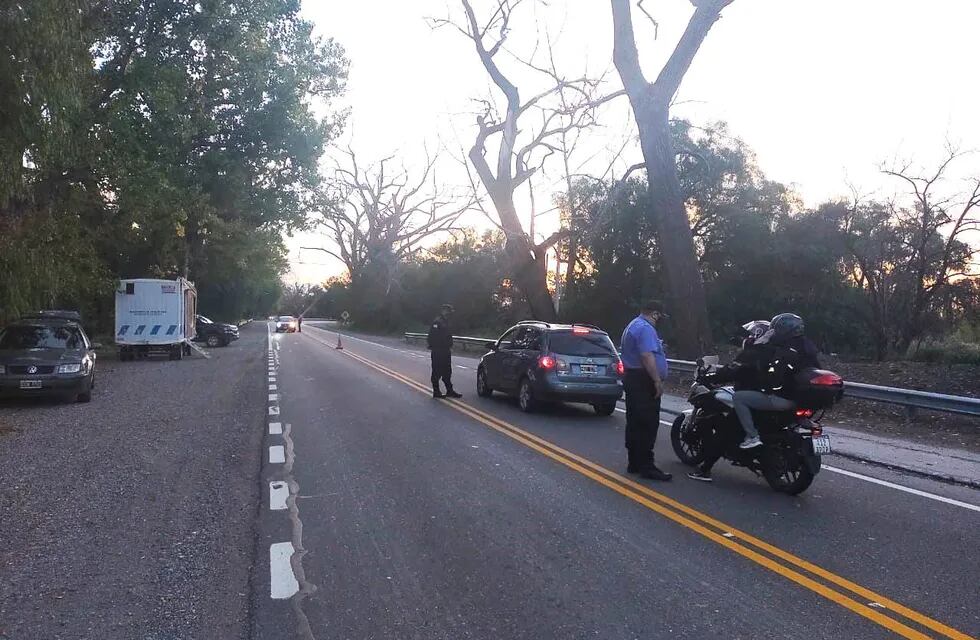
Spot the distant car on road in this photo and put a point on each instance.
(48, 354)
(541, 362)
(215, 334)
(286, 324)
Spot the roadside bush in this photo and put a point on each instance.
(948, 351)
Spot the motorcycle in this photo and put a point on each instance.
(792, 441)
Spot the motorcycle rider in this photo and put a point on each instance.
(743, 372)
(764, 375)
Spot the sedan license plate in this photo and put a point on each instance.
(821, 445)
(588, 369)
(30, 384)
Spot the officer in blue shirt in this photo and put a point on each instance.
(646, 368)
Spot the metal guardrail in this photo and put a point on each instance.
(911, 399)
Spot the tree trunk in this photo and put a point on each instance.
(572, 261)
(527, 268)
(651, 107)
(530, 274)
(685, 292)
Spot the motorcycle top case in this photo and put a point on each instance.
(818, 388)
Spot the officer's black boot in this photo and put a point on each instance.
(452, 393)
(652, 472)
(436, 393)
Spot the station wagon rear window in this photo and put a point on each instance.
(592, 344)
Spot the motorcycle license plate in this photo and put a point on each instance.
(821, 445)
(30, 384)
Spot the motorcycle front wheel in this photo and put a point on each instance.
(786, 471)
(687, 443)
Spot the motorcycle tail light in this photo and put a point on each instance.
(804, 413)
(827, 379)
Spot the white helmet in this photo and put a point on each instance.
(753, 331)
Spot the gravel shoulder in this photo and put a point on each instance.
(133, 516)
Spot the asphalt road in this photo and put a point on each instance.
(286, 489)
(409, 517)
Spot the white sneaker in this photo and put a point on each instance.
(750, 443)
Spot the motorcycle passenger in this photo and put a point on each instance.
(787, 350)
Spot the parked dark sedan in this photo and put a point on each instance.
(215, 334)
(540, 362)
(47, 354)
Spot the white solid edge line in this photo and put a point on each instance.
(278, 492)
(277, 454)
(898, 487)
(275, 428)
(282, 582)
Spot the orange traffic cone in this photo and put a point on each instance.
(340, 345)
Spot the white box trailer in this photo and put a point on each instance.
(155, 316)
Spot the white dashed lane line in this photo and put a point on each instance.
(278, 492)
(275, 428)
(283, 583)
(272, 387)
(273, 411)
(277, 454)
(273, 397)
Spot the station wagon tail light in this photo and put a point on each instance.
(547, 363)
(581, 331)
(620, 368)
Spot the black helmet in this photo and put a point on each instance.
(786, 326)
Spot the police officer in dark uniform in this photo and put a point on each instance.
(441, 346)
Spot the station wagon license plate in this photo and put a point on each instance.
(588, 369)
(821, 445)
(30, 384)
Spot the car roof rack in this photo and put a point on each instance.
(53, 314)
(538, 322)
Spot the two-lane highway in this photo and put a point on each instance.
(415, 518)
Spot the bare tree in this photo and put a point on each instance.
(525, 131)
(907, 254)
(377, 216)
(932, 231)
(651, 107)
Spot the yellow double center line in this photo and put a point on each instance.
(744, 544)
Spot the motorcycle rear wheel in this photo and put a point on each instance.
(689, 451)
(786, 472)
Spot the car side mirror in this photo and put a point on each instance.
(491, 345)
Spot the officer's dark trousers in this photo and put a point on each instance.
(442, 367)
(642, 416)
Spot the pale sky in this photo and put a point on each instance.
(824, 91)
